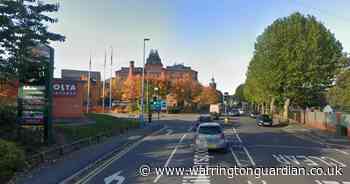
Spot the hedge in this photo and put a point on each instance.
(12, 159)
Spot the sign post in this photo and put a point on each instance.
(35, 98)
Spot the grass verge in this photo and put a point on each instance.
(104, 124)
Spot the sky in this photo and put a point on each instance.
(214, 37)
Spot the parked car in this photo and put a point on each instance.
(210, 136)
(263, 120)
(253, 114)
(241, 111)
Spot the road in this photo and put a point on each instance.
(250, 146)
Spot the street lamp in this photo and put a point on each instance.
(143, 80)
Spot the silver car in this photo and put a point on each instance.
(210, 136)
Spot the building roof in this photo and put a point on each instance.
(179, 67)
(76, 74)
(154, 58)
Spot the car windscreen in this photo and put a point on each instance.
(265, 118)
(210, 130)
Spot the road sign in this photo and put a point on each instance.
(33, 102)
(157, 105)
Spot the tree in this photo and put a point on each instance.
(295, 60)
(339, 96)
(24, 26)
(208, 96)
(185, 89)
(239, 93)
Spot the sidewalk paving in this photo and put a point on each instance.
(324, 136)
(72, 163)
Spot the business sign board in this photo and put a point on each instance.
(34, 102)
(64, 88)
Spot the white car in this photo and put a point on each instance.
(210, 136)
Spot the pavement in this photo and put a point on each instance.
(250, 147)
(52, 173)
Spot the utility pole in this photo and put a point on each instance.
(110, 82)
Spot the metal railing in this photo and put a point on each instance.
(59, 151)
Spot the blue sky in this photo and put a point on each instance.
(214, 37)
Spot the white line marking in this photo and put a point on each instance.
(237, 136)
(169, 132)
(170, 157)
(250, 157)
(106, 163)
(236, 158)
(318, 182)
(341, 151)
(262, 181)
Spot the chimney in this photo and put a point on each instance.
(131, 68)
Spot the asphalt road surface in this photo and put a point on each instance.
(250, 146)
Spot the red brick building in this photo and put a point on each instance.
(68, 96)
(155, 69)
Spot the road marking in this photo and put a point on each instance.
(115, 177)
(284, 146)
(262, 182)
(237, 136)
(341, 151)
(105, 164)
(236, 158)
(307, 160)
(250, 157)
(169, 132)
(331, 182)
(170, 157)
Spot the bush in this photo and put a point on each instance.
(8, 115)
(11, 159)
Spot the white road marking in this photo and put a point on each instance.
(170, 157)
(237, 136)
(169, 132)
(262, 182)
(341, 151)
(115, 177)
(107, 163)
(250, 157)
(236, 158)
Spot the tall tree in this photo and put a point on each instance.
(295, 60)
(339, 96)
(24, 26)
(239, 92)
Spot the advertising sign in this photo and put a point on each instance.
(64, 88)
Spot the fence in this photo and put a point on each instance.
(332, 122)
(59, 151)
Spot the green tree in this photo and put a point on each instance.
(339, 96)
(24, 26)
(295, 60)
(239, 93)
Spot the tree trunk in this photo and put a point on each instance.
(263, 108)
(286, 109)
(272, 106)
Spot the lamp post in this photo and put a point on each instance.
(143, 80)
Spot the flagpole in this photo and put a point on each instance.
(110, 82)
(88, 93)
(104, 83)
